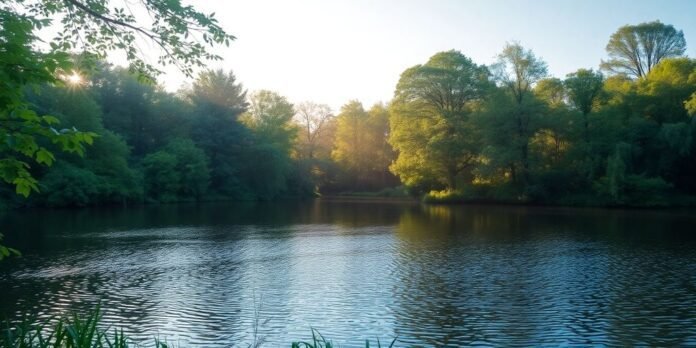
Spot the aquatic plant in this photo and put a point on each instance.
(76, 331)
(318, 341)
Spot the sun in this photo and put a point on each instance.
(74, 78)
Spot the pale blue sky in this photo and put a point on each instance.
(334, 51)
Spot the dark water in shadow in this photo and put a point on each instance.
(433, 276)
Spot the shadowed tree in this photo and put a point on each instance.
(270, 120)
(218, 101)
(584, 88)
(635, 49)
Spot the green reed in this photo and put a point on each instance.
(77, 331)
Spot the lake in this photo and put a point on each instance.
(213, 274)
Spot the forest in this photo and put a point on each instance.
(455, 131)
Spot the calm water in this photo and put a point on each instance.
(433, 276)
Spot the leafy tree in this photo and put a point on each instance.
(382, 153)
(270, 116)
(130, 108)
(106, 159)
(350, 150)
(430, 120)
(556, 131)
(516, 72)
(635, 49)
(270, 119)
(218, 102)
(192, 167)
(26, 133)
(663, 93)
(69, 185)
(584, 88)
(162, 180)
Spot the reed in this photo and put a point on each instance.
(77, 331)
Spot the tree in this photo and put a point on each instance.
(95, 28)
(218, 101)
(312, 119)
(192, 167)
(270, 120)
(584, 88)
(349, 150)
(430, 120)
(162, 180)
(661, 95)
(635, 49)
(270, 116)
(516, 71)
(556, 129)
(25, 132)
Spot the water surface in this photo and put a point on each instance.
(208, 275)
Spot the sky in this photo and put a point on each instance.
(334, 51)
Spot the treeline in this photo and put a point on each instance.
(454, 131)
(509, 132)
(210, 141)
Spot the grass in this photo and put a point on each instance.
(318, 341)
(70, 332)
(77, 331)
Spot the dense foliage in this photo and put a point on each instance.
(455, 131)
(527, 137)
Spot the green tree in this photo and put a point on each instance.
(663, 93)
(218, 102)
(350, 150)
(270, 116)
(270, 119)
(162, 180)
(516, 72)
(26, 133)
(431, 127)
(584, 88)
(192, 167)
(635, 49)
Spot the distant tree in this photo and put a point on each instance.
(270, 116)
(106, 159)
(552, 91)
(430, 120)
(219, 101)
(350, 150)
(312, 119)
(555, 133)
(517, 71)
(192, 167)
(270, 120)
(162, 180)
(635, 49)
(584, 88)
(691, 105)
(378, 142)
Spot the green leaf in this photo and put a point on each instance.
(43, 156)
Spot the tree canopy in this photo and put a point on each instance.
(636, 49)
